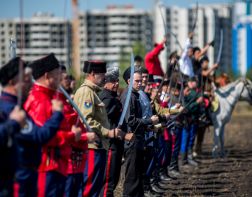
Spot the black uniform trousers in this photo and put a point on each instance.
(134, 172)
(113, 168)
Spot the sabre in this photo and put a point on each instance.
(178, 43)
(13, 47)
(12, 55)
(196, 18)
(166, 29)
(75, 107)
(220, 48)
(130, 87)
(181, 94)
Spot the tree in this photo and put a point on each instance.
(124, 62)
(249, 73)
(231, 74)
(139, 49)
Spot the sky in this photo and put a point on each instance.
(11, 8)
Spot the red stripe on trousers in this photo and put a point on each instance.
(91, 160)
(16, 188)
(166, 134)
(173, 141)
(107, 173)
(41, 184)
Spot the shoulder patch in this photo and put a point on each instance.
(88, 104)
(27, 128)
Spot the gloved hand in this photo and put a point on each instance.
(211, 43)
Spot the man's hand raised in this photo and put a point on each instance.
(190, 36)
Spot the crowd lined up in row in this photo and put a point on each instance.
(49, 149)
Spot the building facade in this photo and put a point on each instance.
(107, 34)
(242, 46)
(242, 38)
(210, 20)
(42, 34)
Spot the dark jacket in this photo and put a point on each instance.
(192, 106)
(113, 106)
(26, 143)
(114, 111)
(133, 119)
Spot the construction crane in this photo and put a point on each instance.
(75, 40)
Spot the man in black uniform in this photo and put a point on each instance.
(134, 149)
(116, 146)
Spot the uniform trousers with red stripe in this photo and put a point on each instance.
(26, 182)
(113, 168)
(74, 185)
(51, 183)
(94, 172)
(176, 143)
(164, 153)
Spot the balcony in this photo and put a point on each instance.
(41, 44)
(118, 20)
(119, 27)
(40, 36)
(40, 28)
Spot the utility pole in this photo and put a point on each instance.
(75, 40)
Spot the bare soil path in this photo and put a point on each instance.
(231, 176)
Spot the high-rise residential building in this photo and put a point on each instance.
(242, 38)
(210, 20)
(7, 31)
(240, 9)
(107, 34)
(43, 33)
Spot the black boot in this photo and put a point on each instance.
(184, 160)
(156, 189)
(190, 159)
(173, 170)
(163, 176)
(164, 186)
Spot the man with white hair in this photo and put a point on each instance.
(116, 146)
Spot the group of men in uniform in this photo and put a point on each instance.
(47, 149)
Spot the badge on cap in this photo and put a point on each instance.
(87, 104)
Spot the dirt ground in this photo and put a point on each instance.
(231, 176)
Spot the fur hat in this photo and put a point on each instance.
(10, 70)
(95, 66)
(44, 65)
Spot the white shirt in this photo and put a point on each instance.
(185, 62)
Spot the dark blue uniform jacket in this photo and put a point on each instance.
(22, 147)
